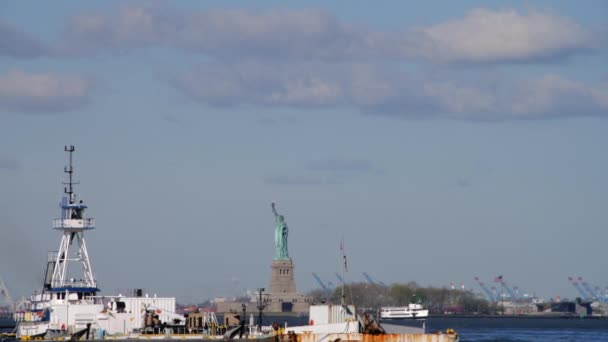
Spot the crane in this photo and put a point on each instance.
(371, 280)
(339, 277)
(504, 285)
(489, 294)
(5, 295)
(588, 288)
(595, 294)
(323, 286)
(578, 288)
(602, 297)
(512, 293)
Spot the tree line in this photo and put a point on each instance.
(369, 296)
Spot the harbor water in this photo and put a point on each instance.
(522, 329)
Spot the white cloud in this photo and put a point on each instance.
(273, 34)
(506, 35)
(227, 33)
(482, 36)
(300, 84)
(554, 96)
(41, 92)
(129, 27)
(375, 89)
(304, 84)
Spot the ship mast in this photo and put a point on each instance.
(72, 225)
(343, 255)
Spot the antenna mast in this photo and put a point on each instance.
(70, 170)
(343, 270)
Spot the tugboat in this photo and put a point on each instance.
(65, 304)
(68, 304)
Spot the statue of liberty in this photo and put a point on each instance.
(280, 236)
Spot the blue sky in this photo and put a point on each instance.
(442, 141)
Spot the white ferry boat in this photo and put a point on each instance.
(69, 303)
(403, 312)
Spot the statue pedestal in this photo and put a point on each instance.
(282, 278)
(283, 296)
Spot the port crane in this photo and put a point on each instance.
(488, 293)
(339, 277)
(594, 294)
(495, 292)
(504, 285)
(602, 297)
(605, 295)
(5, 295)
(578, 288)
(588, 288)
(371, 280)
(320, 282)
(517, 292)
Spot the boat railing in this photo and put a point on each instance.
(86, 223)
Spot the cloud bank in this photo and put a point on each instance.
(483, 35)
(226, 34)
(374, 89)
(310, 58)
(21, 91)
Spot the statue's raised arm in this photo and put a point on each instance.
(274, 210)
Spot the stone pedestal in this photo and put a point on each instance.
(282, 278)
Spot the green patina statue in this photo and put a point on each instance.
(280, 236)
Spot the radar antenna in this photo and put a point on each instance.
(70, 170)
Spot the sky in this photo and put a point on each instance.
(440, 141)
